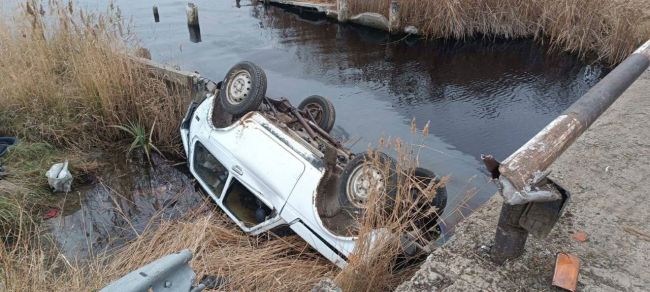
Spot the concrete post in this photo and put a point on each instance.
(156, 16)
(344, 11)
(192, 12)
(393, 17)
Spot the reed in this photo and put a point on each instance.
(605, 30)
(65, 77)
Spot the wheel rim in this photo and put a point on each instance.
(364, 179)
(315, 110)
(239, 87)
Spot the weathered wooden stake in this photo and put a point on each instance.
(156, 16)
(195, 33)
(344, 10)
(192, 14)
(393, 17)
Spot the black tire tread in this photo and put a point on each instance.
(257, 94)
(329, 114)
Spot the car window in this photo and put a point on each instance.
(209, 169)
(242, 203)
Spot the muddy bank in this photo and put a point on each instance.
(605, 170)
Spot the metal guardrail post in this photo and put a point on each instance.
(519, 176)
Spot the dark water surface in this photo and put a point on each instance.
(127, 199)
(482, 96)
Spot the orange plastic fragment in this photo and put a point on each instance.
(580, 236)
(566, 271)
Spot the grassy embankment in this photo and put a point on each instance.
(65, 79)
(602, 29)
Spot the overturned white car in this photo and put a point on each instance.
(272, 166)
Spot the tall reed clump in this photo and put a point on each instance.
(609, 30)
(391, 228)
(65, 77)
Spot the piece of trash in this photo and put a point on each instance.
(580, 236)
(51, 213)
(5, 143)
(567, 267)
(607, 169)
(59, 178)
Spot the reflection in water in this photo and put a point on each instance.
(482, 96)
(128, 200)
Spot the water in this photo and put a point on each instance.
(127, 199)
(480, 96)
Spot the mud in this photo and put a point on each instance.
(127, 199)
(606, 170)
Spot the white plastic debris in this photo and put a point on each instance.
(59, 178)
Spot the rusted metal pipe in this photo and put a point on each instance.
(520, 174)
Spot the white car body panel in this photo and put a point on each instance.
(281, 171)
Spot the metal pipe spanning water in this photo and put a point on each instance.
(520, 176)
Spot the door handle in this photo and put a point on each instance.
(237, 169)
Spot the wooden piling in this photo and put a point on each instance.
(156, 16)
(192, 12)
(344, 10)
(393, 17)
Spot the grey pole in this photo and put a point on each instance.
(516, 174)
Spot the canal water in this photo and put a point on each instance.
(479, 96)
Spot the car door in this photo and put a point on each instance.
(246, 206)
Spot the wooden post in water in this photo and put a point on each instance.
(156, 16)
(393, 17)
(344, 11)
(192, 12)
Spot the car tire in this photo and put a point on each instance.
(428, 224)
(244, 89)
(321, 109)
(425, 175)
(353, 194)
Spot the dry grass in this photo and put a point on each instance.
(609, 29)
(379, 261)
(65, 78)
(219, 248)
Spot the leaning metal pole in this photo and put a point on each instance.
(519, 173)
